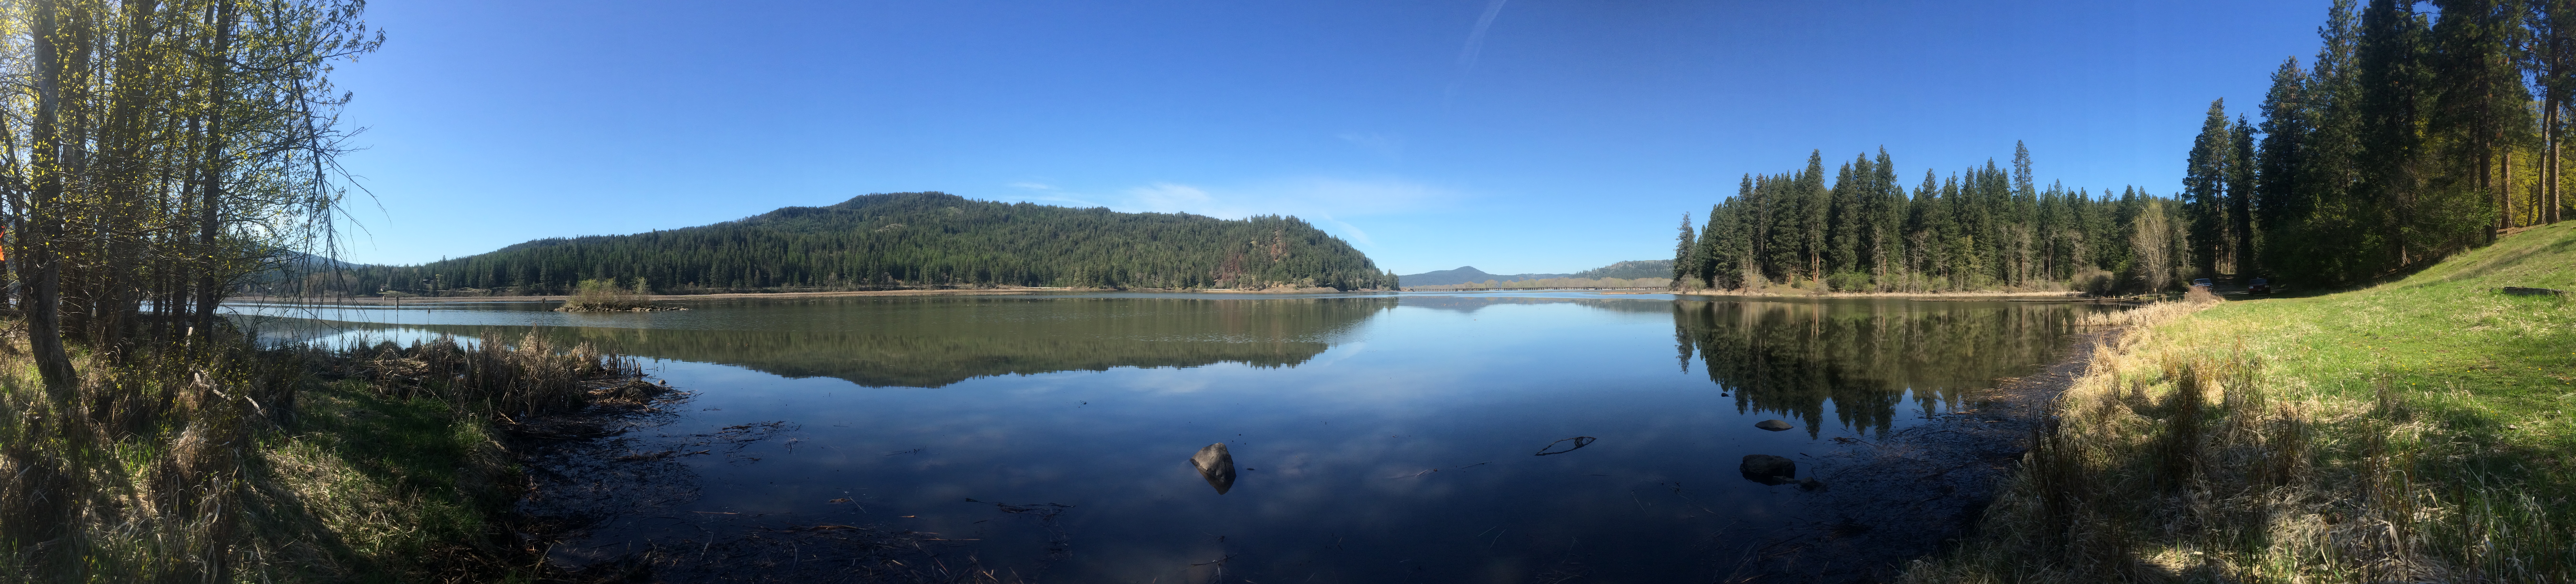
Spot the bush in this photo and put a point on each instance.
(606, 295)
(1851, 282)
(2096, 283)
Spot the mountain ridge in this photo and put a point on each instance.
(1471, 275)
(910, 240)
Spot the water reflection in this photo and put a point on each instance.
(1427, 437)
(934, 343)
(1792, 358)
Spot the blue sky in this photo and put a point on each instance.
(1518, 136)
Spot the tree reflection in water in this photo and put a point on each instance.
(914, 343)
(1794, 357)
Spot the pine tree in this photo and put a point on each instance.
(2204, 192)
(2478, 99)
(2240, 197)
(1887, 214)
(1813, 214)
(2279, 204)
(2391, 76)
(1845, 224)
(1686, 257)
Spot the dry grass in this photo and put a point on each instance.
(379, 463)
(2410, 432)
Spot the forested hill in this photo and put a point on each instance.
(1630, 269)
(1465, 275)
(899, 240)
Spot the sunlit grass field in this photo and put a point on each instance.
(2410, 431)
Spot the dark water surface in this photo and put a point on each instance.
(1377, 438)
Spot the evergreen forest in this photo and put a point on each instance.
(1983, 228)
(2418, 131)
(902, 240)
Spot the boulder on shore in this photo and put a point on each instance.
(1768, 469)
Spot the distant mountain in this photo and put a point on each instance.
(1631, 269)
(1465, 275)
(914, 240)
(1471, 275)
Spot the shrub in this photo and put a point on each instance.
(2096, 283)
(606, 295)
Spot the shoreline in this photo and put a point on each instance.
(1011, 291)
(1916, 492)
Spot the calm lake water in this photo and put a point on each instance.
(1377, 438)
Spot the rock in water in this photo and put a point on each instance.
(1768, 469)
(1216, 465)
(1773, 425)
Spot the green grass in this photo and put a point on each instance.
(396, 490)
(277, 465)
(2414, 430)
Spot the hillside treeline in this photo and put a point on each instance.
(906, 240)
(1630, 269)
(1860, 230)
(1546, 283)
(2413, 134)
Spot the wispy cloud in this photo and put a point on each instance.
(1388, 146)
(1476, 38)
(1475, 47)
(1304, 197)
(1322, 201)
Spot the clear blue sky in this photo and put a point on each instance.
(1519, 136)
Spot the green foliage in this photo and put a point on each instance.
(906, 240)
(604, 294)
(1982, 229)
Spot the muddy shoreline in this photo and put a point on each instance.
(1914, 493)
(592, 475)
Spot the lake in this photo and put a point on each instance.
(1375, 438)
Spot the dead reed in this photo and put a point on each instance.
(275, 464)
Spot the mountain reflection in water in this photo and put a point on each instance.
(1365, 438)
(937, 343)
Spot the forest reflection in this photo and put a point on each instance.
(1792, 358)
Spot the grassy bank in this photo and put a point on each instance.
(2411, 431)
(358, 464)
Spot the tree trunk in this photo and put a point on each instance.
(2504, 192)
(2552, 127)
(44, 286)
(212, 189)
(2548, 195)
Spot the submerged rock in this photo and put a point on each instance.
(1768, 469)
(1216, 465)
(1773, 425)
